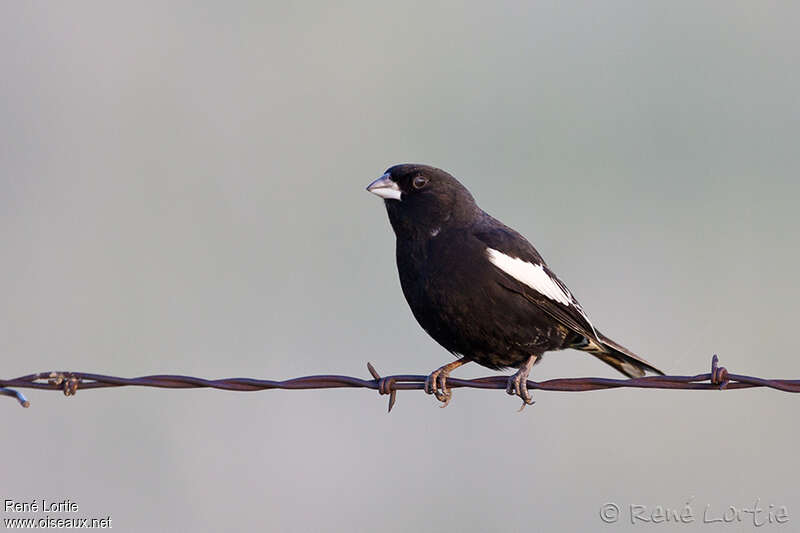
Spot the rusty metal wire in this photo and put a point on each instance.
(70, 382)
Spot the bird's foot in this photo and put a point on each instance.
(518, 383)
(436, 382)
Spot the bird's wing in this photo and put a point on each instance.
(523, 271)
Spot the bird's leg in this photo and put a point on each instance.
(518, 383)
(436, 383)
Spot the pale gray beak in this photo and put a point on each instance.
(385, 188)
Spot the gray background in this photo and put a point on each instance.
(182, 190)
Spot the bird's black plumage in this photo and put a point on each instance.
(478, 287)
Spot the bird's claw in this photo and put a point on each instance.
(526, 402)
(519, 387)
(436, 384)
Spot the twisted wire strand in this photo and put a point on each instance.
(70, 382)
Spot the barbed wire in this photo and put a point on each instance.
(70, 382)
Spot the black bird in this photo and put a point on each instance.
(479, 288)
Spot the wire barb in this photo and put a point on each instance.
(70, 382)
(385, 386)
(15, 394)
(65, 381)
(719, 374)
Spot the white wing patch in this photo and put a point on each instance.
(535, 277)
(531, 275)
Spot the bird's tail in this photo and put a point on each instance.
(617, 356)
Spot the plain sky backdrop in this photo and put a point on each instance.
(182, 191)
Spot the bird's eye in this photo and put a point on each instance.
(419, 182)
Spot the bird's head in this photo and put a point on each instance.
(420, 198)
